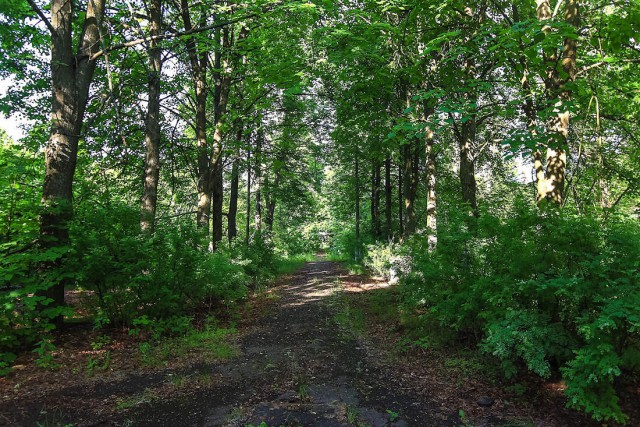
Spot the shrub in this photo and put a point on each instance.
(167, 275)
(539, 291)
(380, 258)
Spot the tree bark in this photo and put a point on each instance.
(467, 145)
(375, 199)
(71, 77)
(152, 123)
(221, 97)
(259, 179)
(248, 216)
(409, 184)
(400, 198)
(198, 62)
(271, 202)
(432, 229)
(387, 198)
(357, 197)
(232, 225)
(551, 182)
(232, 229)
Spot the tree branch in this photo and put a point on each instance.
(39, 12)
(601, 63)
(168, 36)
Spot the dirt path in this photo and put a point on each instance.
(297, 367)
(298, 364)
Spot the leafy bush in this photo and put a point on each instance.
(296, 241)
(345, 247)
(380, 258)
(258, 259)
(167, 275)
(539, 291)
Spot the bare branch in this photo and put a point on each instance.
(39, 12)
(168, 36)
(601, 63)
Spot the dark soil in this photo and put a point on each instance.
(297, 366)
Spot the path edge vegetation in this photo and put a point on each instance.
(173, 152)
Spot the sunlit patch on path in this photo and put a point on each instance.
(298, 368)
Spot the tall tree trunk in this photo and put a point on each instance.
(248, 216)
(271, 203)
(259, 179)
(221, 99)
(71, 77)
(357, 197)
(232, 227)
(387, 198)
(232, 230)
(198, 62)
(467, 145)
(410, 183)
(152, 123)
(551, 182)
(400, 197)
(375, 198)
(432, 219)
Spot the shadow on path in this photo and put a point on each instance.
(297, 368)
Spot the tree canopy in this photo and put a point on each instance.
(485, 152)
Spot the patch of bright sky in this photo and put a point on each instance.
(12, 124)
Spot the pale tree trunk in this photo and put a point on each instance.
(387, 198)
(551, 181)
(432, 219)
(152, 124)
(409, 190)
(71, 77)
(259, 179)
(198, 62)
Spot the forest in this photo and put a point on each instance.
(176, 157)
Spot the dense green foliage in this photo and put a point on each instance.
(482, 155)
(538, 296)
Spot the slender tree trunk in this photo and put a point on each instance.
(198, 62)
(232, 231)
(410, 183)
(271, 204)
(152, 123)
(432, 218)
(248, 216)
(468, 185)
(387, 198)
(221, 99)
(259, 179)
(357, 179)
(232, 215)
(400, 198)
(71, 77)
(376, 198)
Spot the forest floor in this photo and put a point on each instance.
(321, 348)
